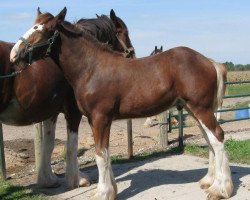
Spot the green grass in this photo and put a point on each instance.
(241, 104)
(238, 89)
(238, 151)
(10, 192)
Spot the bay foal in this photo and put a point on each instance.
(108, 87)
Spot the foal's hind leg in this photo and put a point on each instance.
(46, 178)
(222, 186)
(208, 179)
(106, 189)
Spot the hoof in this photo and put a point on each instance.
(84, 180)
(213, 197)
(204, 186)
(217, 191)
(44, 182)
(54, 184)
(206, 182)
(98, 196)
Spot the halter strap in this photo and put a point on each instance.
(30, 47)
(29, 50)
(127, 50)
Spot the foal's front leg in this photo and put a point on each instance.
(106, 189)
(74, 178)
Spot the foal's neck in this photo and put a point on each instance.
(83, 55)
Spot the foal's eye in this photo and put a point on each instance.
(35, 27)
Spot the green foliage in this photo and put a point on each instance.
(238, 89)
(10, 192)
(238, 67)
(196, 150)
(238, 151)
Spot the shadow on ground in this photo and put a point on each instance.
(143, 180)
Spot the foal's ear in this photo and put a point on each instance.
(61, 16)
(38, 11)
(155, 48)
(161, 48)
(114, 19)
(113, 15)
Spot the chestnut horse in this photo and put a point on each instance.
(152, 121)
(41, 92)
(108, 86)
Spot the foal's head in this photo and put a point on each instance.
(156, 50)
(122, 35)
(39, 39)
(111, 30)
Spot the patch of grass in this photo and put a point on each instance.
(10, 192)
(241, 104)
(238, 89)
(238, 151)
(196, 150)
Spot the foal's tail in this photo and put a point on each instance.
(221, 87)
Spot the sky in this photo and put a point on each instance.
(219, 29)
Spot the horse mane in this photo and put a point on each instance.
(100, 27)
(72, 30)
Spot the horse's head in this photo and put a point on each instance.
(124, 44)
(156, 50)
(39, 39)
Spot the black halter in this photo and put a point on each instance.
(29, 48)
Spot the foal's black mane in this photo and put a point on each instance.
(101, 27)
(73, 30)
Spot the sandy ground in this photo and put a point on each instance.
(170, 177)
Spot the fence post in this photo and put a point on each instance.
(130, 138)
(38, 128)
(180, 119)
(2, 157)
(163, 121)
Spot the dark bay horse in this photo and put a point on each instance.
(108, 86)
(41, 92)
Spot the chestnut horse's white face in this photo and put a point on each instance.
(15, 49)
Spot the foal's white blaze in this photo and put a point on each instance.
(13, 53)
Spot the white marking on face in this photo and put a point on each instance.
(15, 49)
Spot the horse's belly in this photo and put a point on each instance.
(13, 114)
(16, 115)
